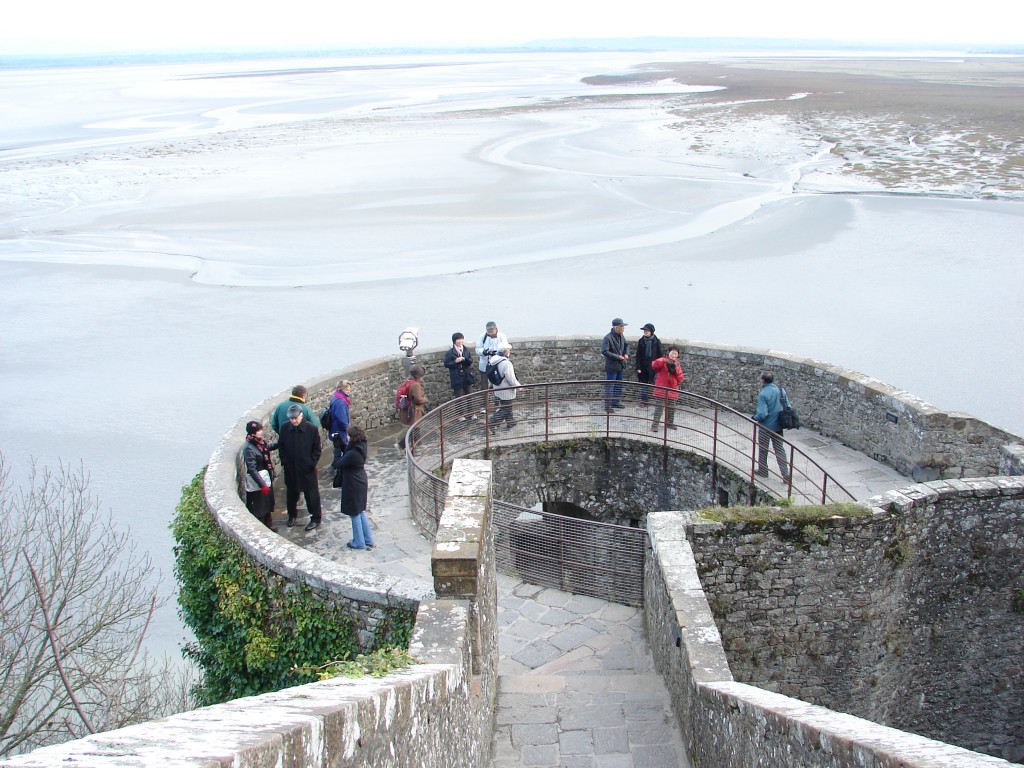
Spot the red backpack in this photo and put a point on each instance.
(402, 401)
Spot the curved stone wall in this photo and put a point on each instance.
(906, 618)
(617, 481)
(931, 641)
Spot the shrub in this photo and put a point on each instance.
(255, 631)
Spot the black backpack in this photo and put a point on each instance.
(788, 418)
(494, 374)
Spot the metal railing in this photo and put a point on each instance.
(572, 410)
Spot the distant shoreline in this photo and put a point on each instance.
(699, 47)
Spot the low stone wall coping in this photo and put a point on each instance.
(303, 725)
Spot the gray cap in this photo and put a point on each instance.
(491, 324)
(294, 410)
(619, 321)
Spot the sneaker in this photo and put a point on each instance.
(370, 546)
(654, 427)
(350, 545)
(312, 525)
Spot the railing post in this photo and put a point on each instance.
(753, 454)
(440, 433)
(547, 391)
(714, 453)
(487, 422)
(789, 481)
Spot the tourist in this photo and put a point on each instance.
(459, 362)
(259, 474)
(648, 349)
(615, 350)
(417, 401)
(769, 406)
(341, 403)
(355, 487)
(486, 346)
(298, 397)
(299, 449)
(506, 391)
(668, 377)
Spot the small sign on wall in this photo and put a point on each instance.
(891, 417)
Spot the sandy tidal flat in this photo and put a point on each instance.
(176, 243)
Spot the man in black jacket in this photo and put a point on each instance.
(648, 349)
(299, 449)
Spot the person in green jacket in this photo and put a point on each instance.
(280, 415)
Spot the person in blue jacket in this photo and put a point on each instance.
(341, 403)
(769, 406)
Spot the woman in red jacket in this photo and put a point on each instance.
(668, 374)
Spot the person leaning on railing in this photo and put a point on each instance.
(668, 377)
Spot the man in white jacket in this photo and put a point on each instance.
(486, 346)
(506, 391)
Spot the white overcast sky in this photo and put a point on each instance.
(123, 25)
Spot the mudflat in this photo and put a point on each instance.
(939, 125)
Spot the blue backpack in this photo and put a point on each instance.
(494, 374)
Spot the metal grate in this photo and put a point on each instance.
(579, 556)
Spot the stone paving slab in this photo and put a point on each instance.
(594, 682)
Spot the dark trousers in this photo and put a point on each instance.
(612, 390)
(339, 447)
(503, 411)
(645, 377)
(261, 506)
(461, 390)
(306, 484)
(763, 436)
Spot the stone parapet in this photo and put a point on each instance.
(421, 717)
(886, 423)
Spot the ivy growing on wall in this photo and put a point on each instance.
(255, 632)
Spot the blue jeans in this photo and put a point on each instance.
(612, 392)
(361, 536)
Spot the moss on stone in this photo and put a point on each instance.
(764, 515)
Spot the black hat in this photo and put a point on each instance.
(647, 327)
(253, 427)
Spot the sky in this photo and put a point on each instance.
(73, 26)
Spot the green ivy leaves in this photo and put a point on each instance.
(254, 631)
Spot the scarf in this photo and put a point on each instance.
(264, 449)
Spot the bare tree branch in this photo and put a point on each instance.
(77, 598)
(52, 638)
